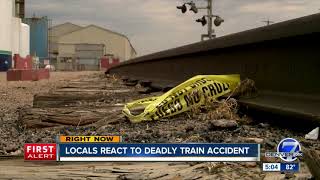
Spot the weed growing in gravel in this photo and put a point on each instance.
(226, 108)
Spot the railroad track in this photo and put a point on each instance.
(283, 60)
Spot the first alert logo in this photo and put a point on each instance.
(40, 152)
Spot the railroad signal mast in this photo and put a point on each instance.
(206, 19)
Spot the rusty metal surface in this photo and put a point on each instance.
(282, 59)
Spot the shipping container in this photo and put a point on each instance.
(38, 36)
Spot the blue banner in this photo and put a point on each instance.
(159, 152)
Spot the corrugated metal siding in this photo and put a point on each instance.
(89, 51)
(89, 61)
(89, 54)
(115, 44)
(89, 47)
(80, 56)
(38, 36)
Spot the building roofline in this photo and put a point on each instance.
(65, 24)
(80, 44)
(104, 29)
(92, 25)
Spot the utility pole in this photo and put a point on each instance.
(268, 22)
(211, 34)
(217, 22)
(210, 28)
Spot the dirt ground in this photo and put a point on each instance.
(18, 96)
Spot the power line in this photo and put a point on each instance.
(268, 22)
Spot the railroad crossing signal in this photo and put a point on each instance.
(183, 8)
(203, 21)
(207, 19)
(193, 7)
(218, 21)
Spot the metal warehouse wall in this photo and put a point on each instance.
(57, 31)
(114, 43)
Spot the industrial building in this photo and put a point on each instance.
(39, 37)
(80, 48)
(56, 32)
(66, 46)
(14, 34)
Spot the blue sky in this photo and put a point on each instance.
(155, 25)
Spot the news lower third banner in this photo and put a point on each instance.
(112, 149)
(157, 152)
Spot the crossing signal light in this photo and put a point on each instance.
(193, 7)
(203, 20)
(218, 21)
(183, 8)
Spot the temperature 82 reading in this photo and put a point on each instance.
(292, 167)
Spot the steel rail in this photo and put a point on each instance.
(283, 59)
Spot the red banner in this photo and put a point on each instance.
(40, 152)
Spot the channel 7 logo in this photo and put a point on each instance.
(288, 150)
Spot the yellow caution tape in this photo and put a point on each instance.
(192, 93)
